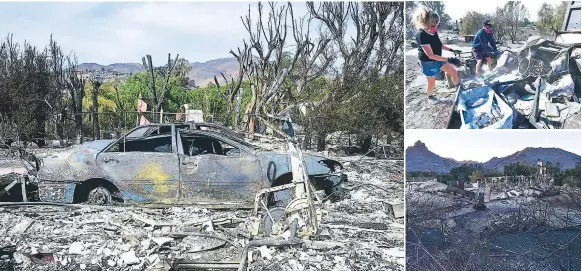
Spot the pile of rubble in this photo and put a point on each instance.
(362, 231)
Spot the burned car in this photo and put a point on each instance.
(184, 165)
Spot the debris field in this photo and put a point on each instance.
(358, 232)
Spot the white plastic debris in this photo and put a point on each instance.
(208, 226)
(77, 248)
(129, 258)
(266, 253)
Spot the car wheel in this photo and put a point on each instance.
(99, 196)
(278, 215)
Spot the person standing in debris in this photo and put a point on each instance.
(430, 48)
(484, 46)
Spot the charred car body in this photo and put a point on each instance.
(175, 163)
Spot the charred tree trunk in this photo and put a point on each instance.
(78, 110)
(171, 66)
(227, 117)
(95, 109)
(76, 86)
(321, 142)
(121, 115)
(251, 110)
(60, 130)
(40, 133)
(237, 110)
(150, 70)
(307, 141)
(365, 142)
(79, 126)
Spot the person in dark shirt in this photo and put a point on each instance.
(484, 46)
(430, 48)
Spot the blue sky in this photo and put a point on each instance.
(482, 145)
(110, 32)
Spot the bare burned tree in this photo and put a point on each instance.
(515, 13)
(389, 56)
(75, 85)
(158, 102)
(149, 67)
(279, 76)
(232, 88)
(121, 115)
(358, 69)
(54, 99)
(313, 58)
(25, 82)
(266, 41)
(95, 85)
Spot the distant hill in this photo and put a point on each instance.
(119, 67)
(420, 158)
(531, 155)
(201, 73)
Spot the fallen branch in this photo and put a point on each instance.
(351, 228)
(219, 221)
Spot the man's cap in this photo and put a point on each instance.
(487, 23)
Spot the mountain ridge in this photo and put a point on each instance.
(420, 158)
(202, 72)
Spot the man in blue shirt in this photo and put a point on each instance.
(484, 46)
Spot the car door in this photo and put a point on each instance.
(145, 169)
(217, 171)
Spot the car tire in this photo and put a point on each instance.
(99, 196)
(278, 214)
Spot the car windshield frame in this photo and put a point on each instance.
(98, 144)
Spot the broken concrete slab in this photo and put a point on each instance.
(395, 210)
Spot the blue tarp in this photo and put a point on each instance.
(475, 102)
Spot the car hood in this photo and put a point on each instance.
(316, 165)
(78, 164)
(91, 147)
(78, 158)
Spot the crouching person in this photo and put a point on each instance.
(484, 46)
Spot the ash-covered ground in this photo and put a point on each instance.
(356, 233)
(514, 232)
